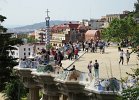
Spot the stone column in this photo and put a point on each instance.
(51, 97)
(79, 96)
(34, 93)
(72, 96)
(45, 97)
(65, 97)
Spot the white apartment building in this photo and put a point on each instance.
(26, 50)
(40, 35)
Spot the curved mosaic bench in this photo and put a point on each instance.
(45, 68)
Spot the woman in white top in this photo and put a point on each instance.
(121, 57)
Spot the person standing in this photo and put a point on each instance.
(90, 70)
(90, 67)
(86, 46)
(121, 57)
(96, 69)
(76, 53)
(83, 45)
(93, 47)
(127, 56)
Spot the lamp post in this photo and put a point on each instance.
(47, 19)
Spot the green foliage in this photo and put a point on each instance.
(2, 18)
(135, 73)
(6, 62)
(120, 29)
(14, 90)
(136, 5)
(24, 99)
(130, 94)
(31, 40)
(49, 46)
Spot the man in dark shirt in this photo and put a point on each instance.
(96, 69)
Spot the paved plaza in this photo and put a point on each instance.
(109, 63)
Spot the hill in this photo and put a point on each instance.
(30, 28)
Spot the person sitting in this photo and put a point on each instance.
(72, 69)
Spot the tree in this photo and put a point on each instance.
(120, 29)
(31, 40)
(14, 90)
(6, 62)
(136, 5)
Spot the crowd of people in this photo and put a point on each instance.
(71, 51)
(93, 46)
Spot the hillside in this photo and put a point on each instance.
(29, 28)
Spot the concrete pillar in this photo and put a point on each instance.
(80, 96)
(45, 97)
(72, 96)
(52, 97)
(33, 93)
(65, 97)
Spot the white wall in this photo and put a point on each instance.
(26, 50)
(22, 51)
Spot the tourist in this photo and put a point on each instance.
(90, 67)
(83, 45)
(86, 46)
(76, 53)
(127, 56)
(72, 69)
(96, 45)
(93, 47)
(59, 69)
(22, 63)
(59, 58)
(55, 59)
(121, 57)
(96, 69)
(69, 53)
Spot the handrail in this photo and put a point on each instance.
(76, 60)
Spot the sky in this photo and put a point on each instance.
(25, 12)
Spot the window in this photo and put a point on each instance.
(24, 53)
(29, 53)
(28, 49)
(24, 49)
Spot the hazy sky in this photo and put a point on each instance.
(23, 12)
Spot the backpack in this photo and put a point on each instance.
(96, 65)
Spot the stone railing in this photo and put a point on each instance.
(76, 84)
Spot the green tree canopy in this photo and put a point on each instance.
(6, 62)
(120, 29)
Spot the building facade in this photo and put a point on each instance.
(26, 50)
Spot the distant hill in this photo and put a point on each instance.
(30, 28)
